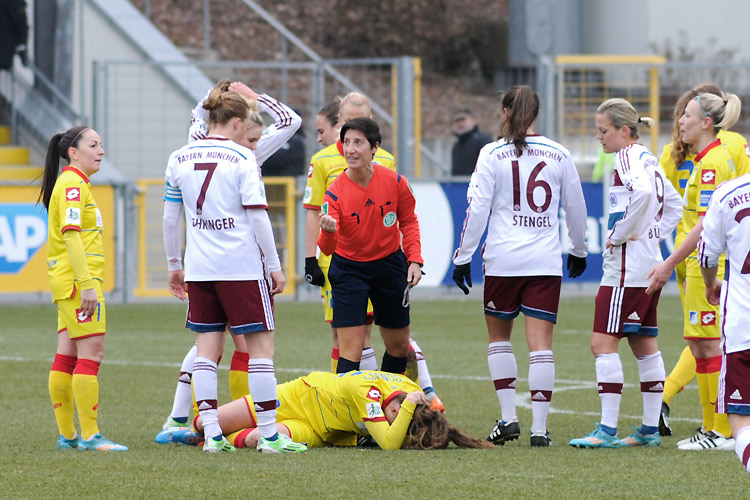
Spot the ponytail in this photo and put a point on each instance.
(522, 104)
(57, 148)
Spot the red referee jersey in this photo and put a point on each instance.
(372, 219)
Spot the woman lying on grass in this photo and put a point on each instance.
(326, 409)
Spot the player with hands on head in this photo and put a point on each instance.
(263, 143)
(75, 265)
(644, 207)
(324, 409)
(726, 231)
(230, 245)
(704, 116)
(516, 190)
(367, 218)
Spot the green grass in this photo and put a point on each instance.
(146, 342)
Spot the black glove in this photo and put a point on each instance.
(23, 55)
(576, 266)
(462, 273)
(313, 273)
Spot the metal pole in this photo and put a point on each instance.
(207, 24)
(284, 72)
(405, 115)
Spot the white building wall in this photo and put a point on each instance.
(617, 27)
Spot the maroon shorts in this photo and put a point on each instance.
(625, 311)
(734, 384)
(535, 296)
(247, 306)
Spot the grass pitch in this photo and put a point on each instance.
(145, 345)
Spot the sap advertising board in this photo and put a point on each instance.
(23, 238)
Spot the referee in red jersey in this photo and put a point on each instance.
(371, 230)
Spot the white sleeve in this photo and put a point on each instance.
(171, 224)
(672, 209)
(574, 204)
(713, 240)
(480, 193)
(639, 184)
(199, 121)
(286, 123)
(263, 231)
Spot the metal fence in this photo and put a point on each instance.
(572, 87)
(151, 269)
(143, 118)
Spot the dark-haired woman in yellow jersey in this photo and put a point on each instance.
(704, 116)
(75, 263)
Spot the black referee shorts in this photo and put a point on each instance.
(383, 281)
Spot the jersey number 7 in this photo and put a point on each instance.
(209, 167)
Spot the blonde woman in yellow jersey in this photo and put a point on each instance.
(75, 264)
(677, 160)
(325, 409)
(704, 116)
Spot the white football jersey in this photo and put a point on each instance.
(726, 228)
(286, 122)
(522, 196)
(644, 208)
(217, 180)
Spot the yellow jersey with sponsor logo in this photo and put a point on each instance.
(72, 208)
(679, 174)
(337, 405)
(713, 166)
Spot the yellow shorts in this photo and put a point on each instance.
(297, 410)
(701, 318)
(680, 271)
(79, 327)
(326, 297)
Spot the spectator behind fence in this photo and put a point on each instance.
(14, 30)
(469, 141)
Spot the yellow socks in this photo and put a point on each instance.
(61, 393)
(681, 375)
(334, 359)
(86, 392)
(238, 387)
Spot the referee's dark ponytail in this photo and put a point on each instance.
(57, 148)
(520, 108)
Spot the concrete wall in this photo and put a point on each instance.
(617, 27)
(109, 33)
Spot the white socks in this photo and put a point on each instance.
(504, 372)
(262, 382)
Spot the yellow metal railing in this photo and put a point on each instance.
(585, 81)
(152, 268)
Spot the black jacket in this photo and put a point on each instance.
(14, 30)
(466, 150)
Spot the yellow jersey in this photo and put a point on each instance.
(679, 174)
(337, 406)
(713, 166)
(72, 207)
